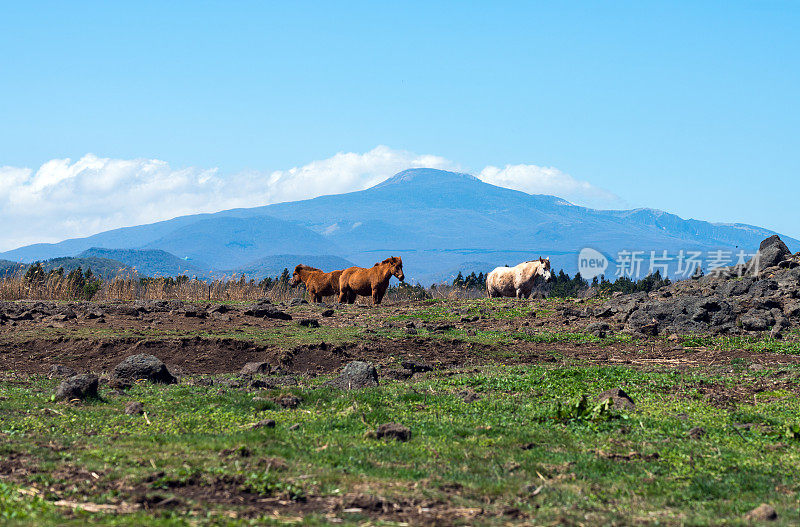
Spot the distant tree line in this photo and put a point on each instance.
(281, 280)
(472, 281)
(76, 284)
(563, 286)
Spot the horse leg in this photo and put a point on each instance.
(378, 293)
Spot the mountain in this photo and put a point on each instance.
(124, 238)
(272, 266)
(437, 221)
(147, 262)
(104, 267)
(224, 243)
(100, 266)
(210, 241)
(9, 268)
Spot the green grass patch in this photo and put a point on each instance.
(753, 343)
(533, 438)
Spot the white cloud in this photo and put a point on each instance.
(65, 199)
(346, 172)
(548, 180)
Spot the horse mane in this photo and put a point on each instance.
(538, 260)
(301, 267)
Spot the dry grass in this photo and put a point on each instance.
(59, 288)
(56, 287)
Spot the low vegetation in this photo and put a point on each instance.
(53, 280)
(499, 445)
(502, 424)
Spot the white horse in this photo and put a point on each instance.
(519, 280)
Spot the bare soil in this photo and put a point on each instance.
(194, 345)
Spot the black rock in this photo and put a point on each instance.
(252, 368)
(309, 323)
(621, 400)
(756, 320)
(134, 408)
(194, 312)
(125, 310)
(327, 313)
(603, 312)
(598, 329)
(416, 367)
(264, 309)
(25, 315)
(289, 401)
(64, 315)
(393, 431)
(762, 513)
(78, 387)
(650, 329)
(266, 423)
(143, 366)
(93, 313)
(59, 370)
(355, 375)
(771, 252)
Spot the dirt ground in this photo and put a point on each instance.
(384, 335)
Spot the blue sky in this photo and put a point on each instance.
(691, 107)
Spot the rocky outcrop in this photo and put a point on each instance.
(731, 301)
(771, 252)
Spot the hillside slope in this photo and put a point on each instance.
(436, 220)
(147, 262)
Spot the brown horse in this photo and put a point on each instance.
(369, 282)
(318, 283)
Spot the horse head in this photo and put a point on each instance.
(396, 266)
(300, 272)
(544, 269)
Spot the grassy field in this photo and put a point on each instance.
(493, 442)
(523, 450)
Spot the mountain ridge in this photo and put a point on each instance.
(436, 220)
